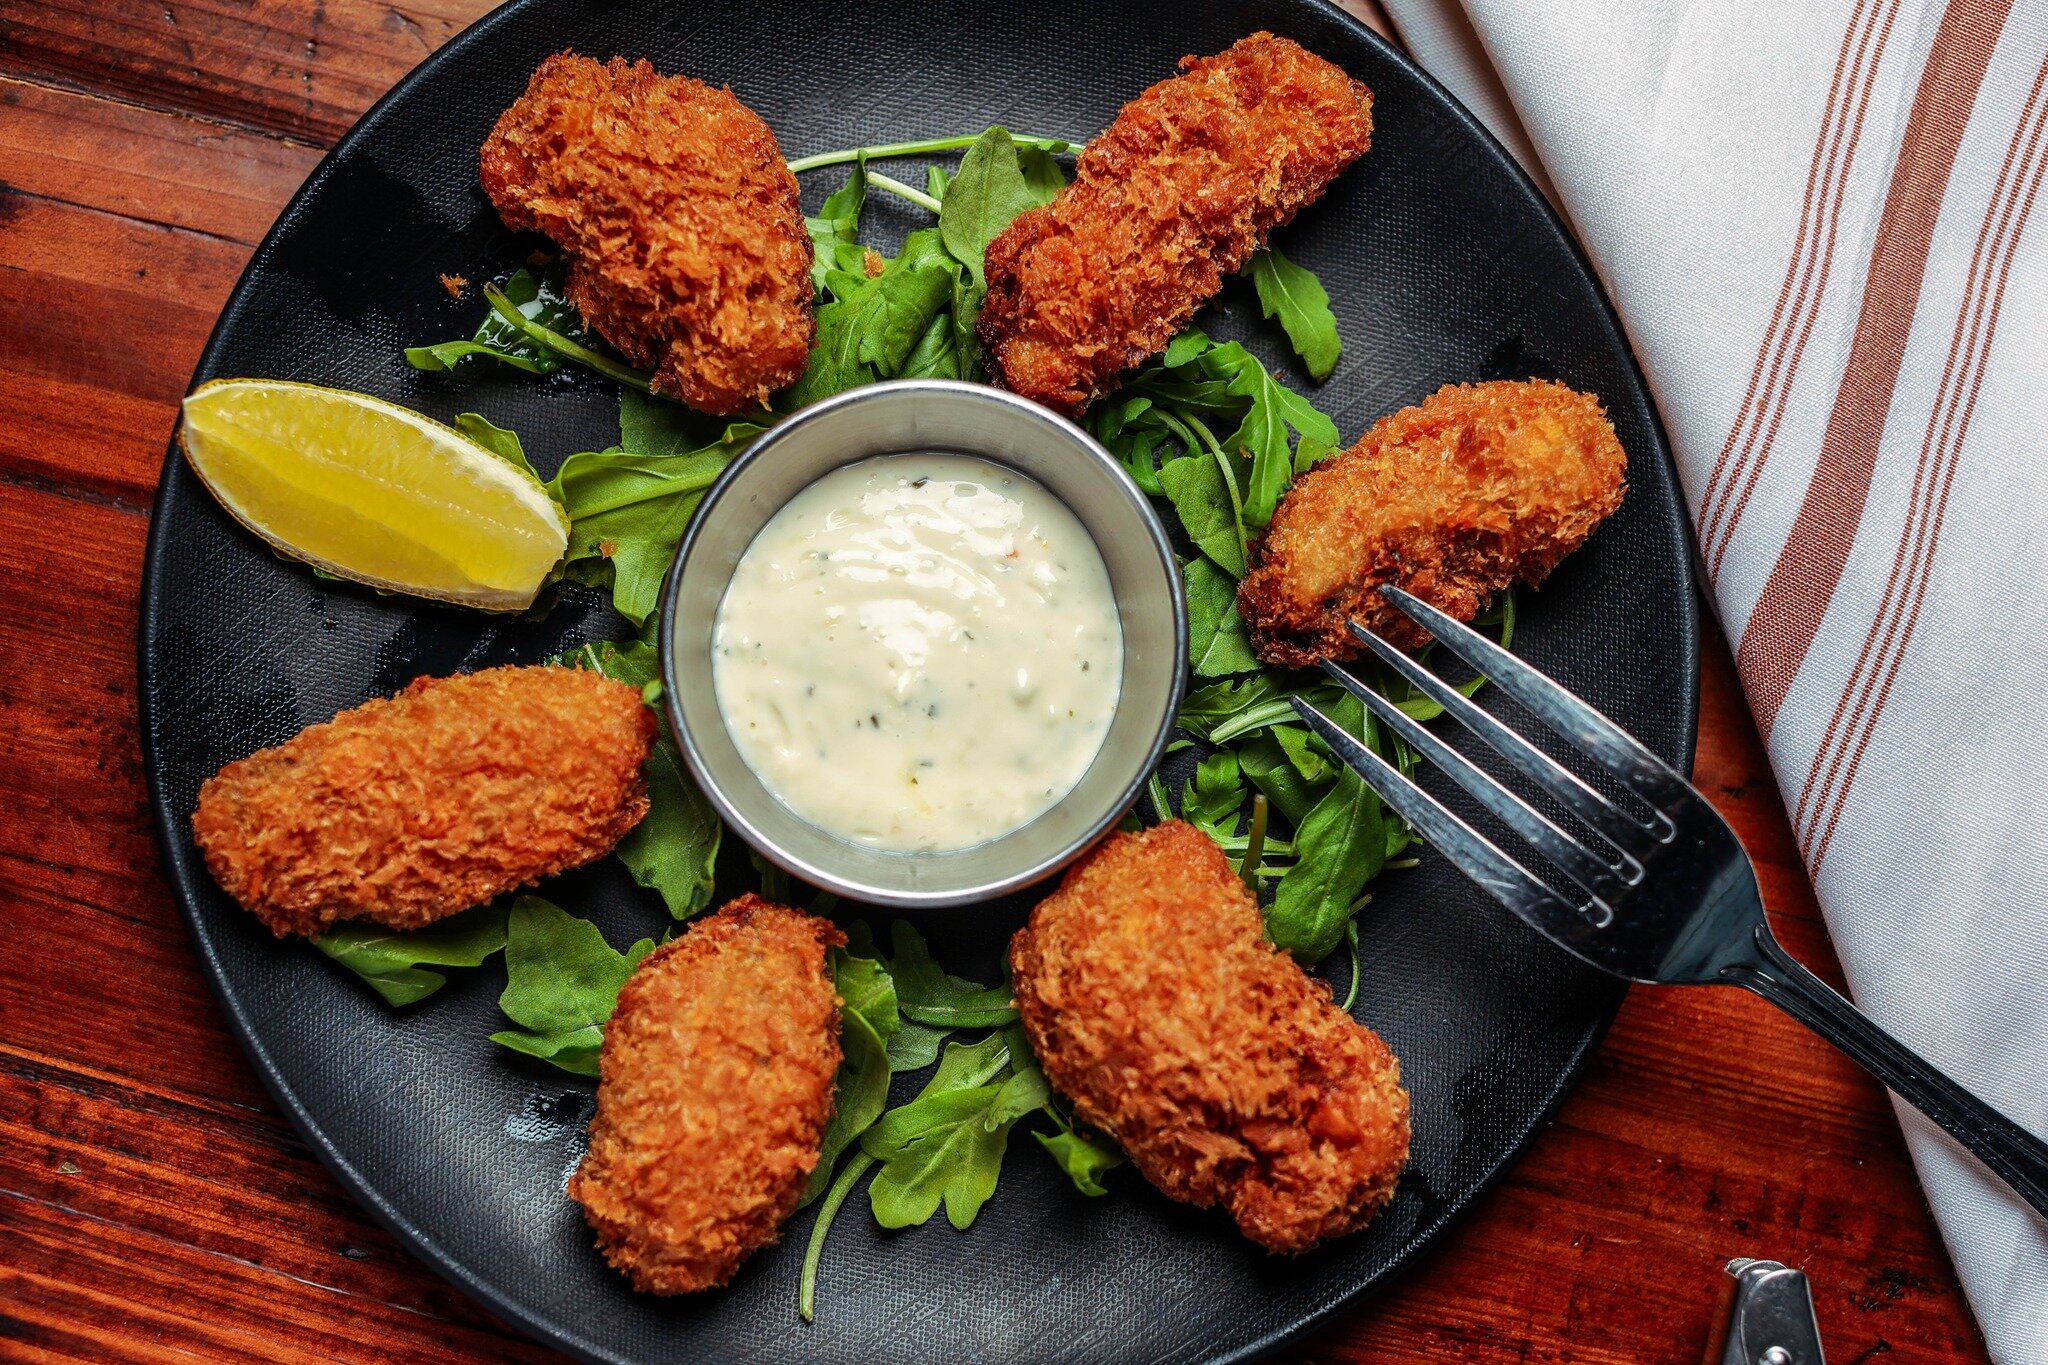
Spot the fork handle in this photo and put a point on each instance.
(2016, 1155)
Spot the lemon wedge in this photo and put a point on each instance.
(374, 492)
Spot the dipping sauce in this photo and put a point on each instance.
(919, 652)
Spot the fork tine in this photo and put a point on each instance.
(1594, 874)
(1507, 880)
(1589, 731)
(1626, 833)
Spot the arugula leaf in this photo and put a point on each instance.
(1340, 845)
(1191, 342)
(561, 984)
(1129, 429)
(1294, 295)
(1211, 798)
(1307, 752)
(987, 191)
(1085, 1157)
(834, 364)
(915, 1046)
(935, 182)
(1207, 708)
(900, 305)
(674, 846)
(656, 426)
(395, 965)
(1218, 643)
(868, 1018)
(1044, 177)
(1262, 433)
(835, 232)
(1266, 766)
(967, 297)
(628, 511)
(947, 1144)
(502, 442)
(1310, 451)
(928, 995)
(1194, 484)
(937, 353)
(537, 297)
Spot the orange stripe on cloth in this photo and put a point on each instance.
(1747, 449)
(1948, 425)
(1803, 581)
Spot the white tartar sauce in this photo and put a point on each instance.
(919, 652)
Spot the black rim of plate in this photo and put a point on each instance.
(181, 864)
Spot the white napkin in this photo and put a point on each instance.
(1814, 219)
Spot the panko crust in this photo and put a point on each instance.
(1176, 193)
(686, 244)
(1479, 487)
(715, 1086)
(407, 810)
(1229, 1076)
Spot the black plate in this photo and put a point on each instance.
(1444, 264)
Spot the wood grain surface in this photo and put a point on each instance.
(154, 1206)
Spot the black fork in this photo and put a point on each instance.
(1669, 898)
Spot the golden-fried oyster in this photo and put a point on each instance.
(1176, 193)
(714, 1091)
(1155, 1004)
(1482, 486)
(408, 810)
(686, 244)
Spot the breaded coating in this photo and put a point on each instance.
(407, 810)
(715, 1086)
(1229, 1076)
(1174, 195)
(1482, 486)
(686, 244)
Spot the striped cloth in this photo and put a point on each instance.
(1815, 221)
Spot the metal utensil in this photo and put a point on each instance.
(1767, 1317)
(1664, 894)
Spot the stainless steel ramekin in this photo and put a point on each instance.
(968, 419)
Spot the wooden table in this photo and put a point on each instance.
(153, 1205)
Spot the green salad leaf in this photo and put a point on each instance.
(561, 984)
(1219, 644)
(946, 1146)
(672, 850)
(1266, 766)
(988, 190)
(1044, 177)
(875, 325)
(538, 296)
(915, 1046)
(1343, 843)
(1214, 796)
(1084, 1157)
(1197, 486)
(1297, 298)
(1272, 412)
(502, 442)
(398, 966)
(627, 512)
(927, 994)
(868, 1019)
(835, 232)
(1209, 707)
